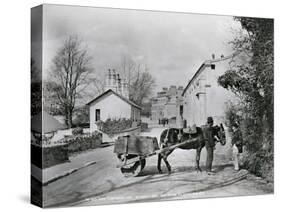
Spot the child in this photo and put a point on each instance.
(237, 145)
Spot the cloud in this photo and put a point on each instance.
(173, 45)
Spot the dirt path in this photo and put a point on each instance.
(103, 183)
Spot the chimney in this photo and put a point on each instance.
(114, 81)
(108, 80)
(125, 91)
(119, 89)
(109, 76)
(122, 87)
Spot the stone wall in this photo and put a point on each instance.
(77, 144)
(49, 156)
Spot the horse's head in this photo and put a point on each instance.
(220, 133)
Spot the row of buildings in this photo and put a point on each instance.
(166, 104)
(200, 98)
(203, 96)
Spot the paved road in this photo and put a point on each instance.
(103, 183)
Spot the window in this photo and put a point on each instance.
(181, 110)
(97, 114)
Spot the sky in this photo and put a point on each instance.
(172, 45)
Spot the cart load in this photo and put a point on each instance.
(136, 145)
(132, 151)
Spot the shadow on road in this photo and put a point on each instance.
(152, 170)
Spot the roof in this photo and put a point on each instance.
(45, 123)
(205, 64)
(121, 97)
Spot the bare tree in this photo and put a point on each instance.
(128, 69)
(139, 80)
(36, 89)
(71, 74)
(141, 87)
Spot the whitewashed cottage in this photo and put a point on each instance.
(114, 103)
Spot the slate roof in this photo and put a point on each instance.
(111, 91)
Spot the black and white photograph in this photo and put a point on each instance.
(132, 106)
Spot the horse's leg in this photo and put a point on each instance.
(159, 163)
(165, 158)
(167, 165)
(198, 154)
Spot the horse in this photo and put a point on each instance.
(173, 136)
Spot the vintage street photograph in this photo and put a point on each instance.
(135, 106)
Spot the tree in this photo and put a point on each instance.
(251, 79)
(36, 89)
(140, 81)
(51, 103)
(141, 87)
(82, 115)
(71, 74)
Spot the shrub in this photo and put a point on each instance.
(77, 131)
(112, 126)
(257, 139)
(80, 143)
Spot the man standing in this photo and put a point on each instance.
(210, 144)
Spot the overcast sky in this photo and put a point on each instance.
(172, 45)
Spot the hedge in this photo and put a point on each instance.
(112, 126)
(80, 143)
(44, 157)
(47, 156)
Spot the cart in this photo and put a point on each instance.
(132, 152)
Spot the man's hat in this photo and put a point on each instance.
(210, 120)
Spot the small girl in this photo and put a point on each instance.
(237, 145)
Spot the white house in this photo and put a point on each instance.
(203, 97)
(113, 103)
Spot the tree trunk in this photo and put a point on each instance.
(68, 118)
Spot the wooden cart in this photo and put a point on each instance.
(132, 152)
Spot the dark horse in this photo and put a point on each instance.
(173, 136)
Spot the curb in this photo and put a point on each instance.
(71, 171)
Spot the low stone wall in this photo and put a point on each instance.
(44, 157)
(47, 156)
(82, 143)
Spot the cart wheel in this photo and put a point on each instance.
(133, 170)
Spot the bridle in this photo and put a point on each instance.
(221, 134)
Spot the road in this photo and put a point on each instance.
(103, 183)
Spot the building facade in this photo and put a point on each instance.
(203, 97)
(113, 103)
(166, 104)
